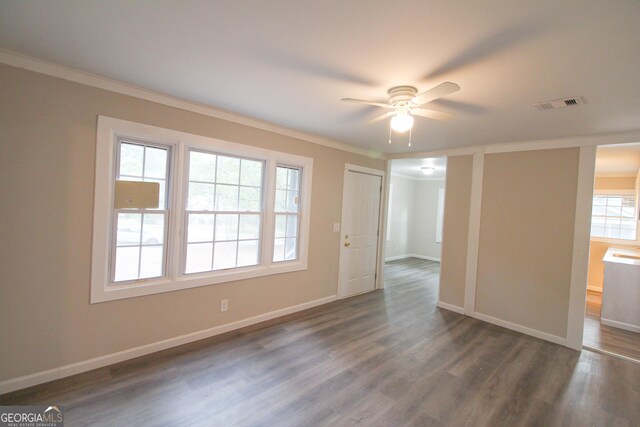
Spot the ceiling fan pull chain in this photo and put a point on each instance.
(389, 132)
(410, 129)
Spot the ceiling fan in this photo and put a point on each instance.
(405, 102)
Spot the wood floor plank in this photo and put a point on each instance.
(386, 358)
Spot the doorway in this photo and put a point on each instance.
(359, 243)
(415, 212)
(612, 315)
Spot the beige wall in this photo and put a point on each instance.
(618, 183)
(455, 230)
(526, 238)
(47, 150)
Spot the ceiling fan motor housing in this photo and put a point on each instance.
(401, 95)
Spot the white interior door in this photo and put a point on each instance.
(359, 236)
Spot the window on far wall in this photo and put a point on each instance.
(614, 216)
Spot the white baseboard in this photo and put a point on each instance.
(18, 383)
(397, 257)
(450, 307)
(594, 288)
(620, 325)
(519, 328)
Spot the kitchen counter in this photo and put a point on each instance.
(621, 289)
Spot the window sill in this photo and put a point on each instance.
(156, 286)
(615, 241)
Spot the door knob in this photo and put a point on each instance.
(347, 244)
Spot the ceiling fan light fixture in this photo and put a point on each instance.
(427, 170)
(401, 122)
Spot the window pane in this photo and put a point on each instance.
(614, 210)
(199, 256)
(628, 211)
(614, 201)
(226, 198)
(281, 225)
(200, 197)
(202, 166)
(290, 249)
(292, 225)
(281, 201)
(151, 261)
(155, 163)
(131, 159)
(278, 250)
(628, 224)
(294, 178)
(153, 229)
(249, 199)
(129, 229)
(599, 210)
(200, 228)
(228, 170)
(249, 227)
(127, 263)
(597, 231)
(225, 255)
(599, 200)
(292, 201)
(162, 203)
(226, 227)
(248, 253)
(251, 173)
(281, 178)
(627, 234)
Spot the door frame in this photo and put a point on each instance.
(348, 167)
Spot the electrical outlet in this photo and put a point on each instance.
(224, 305)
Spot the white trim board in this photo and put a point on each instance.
(620, 325)
(581, 247)
(473, 239)
(609, 353)
(450, 307)
(415, 178)
(25, 381)
(94, 80)
(397, 257)
(522, 329)
(542, 144)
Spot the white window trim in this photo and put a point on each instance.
(109, 129)
(610, 240)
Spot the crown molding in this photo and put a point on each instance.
(29, 63)
(614, 138)
(413, 178)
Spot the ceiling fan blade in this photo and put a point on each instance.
(364, 101)
(443, 89)
(382, 117)
(431, 114)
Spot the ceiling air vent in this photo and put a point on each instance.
(560, 103)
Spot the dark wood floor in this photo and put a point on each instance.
(386, 358)
(607, 338)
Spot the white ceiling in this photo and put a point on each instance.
(412, 168)
(290, 61)
(618, 160)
